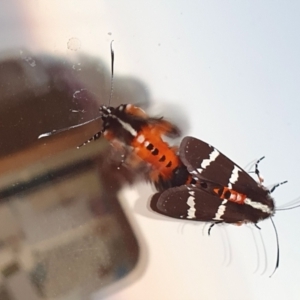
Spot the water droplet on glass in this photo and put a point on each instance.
(30, 60)
(80, 94)
(74, 44)
(77, 67)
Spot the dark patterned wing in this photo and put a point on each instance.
(191, 203)
(205, 162)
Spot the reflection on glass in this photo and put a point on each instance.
(63, 234)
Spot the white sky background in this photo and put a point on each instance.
(233, 69)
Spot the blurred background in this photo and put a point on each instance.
(227, 73)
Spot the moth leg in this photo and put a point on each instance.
(260, 178)
(277, 185)
(123, 158)
(132, 160)
(93, 138)
(129, 160)
(257, 226)
(256, 171)
(212, 225)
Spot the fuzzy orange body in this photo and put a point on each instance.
(150, 147)
(129, 127)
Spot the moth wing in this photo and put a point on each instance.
(164, 127)
(191, 203)
(206, 162)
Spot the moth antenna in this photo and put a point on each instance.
(290, 205)
(98, 134)
(249, 166)
(112, 56)
(277, 243)
(227, 247)
(181, 227)
(53, 132)
(288, 208)
(257, 251)
(203, 228)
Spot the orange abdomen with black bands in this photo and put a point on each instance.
(150, 147)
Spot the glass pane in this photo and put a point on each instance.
(63, 234)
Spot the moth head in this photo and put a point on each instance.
(120, 122)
